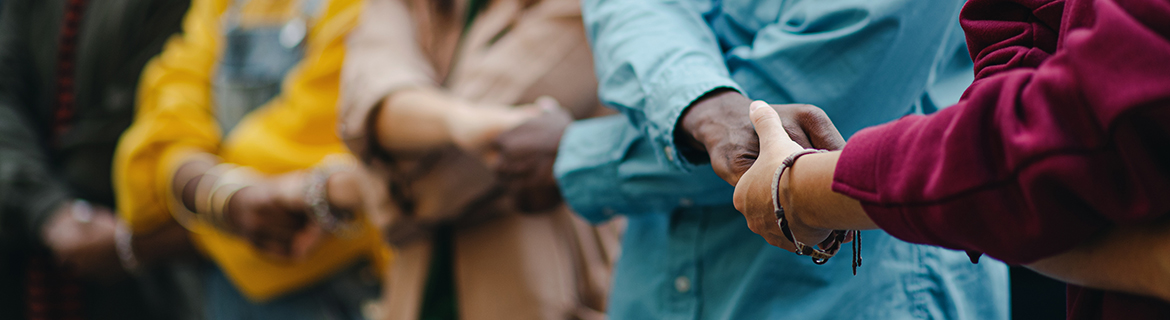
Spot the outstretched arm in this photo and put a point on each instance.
(1123, 258)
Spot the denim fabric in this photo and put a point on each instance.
(254, 62)
(341, 297)
(687, 253)
(865, 62)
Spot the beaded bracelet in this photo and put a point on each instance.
(341, 223)
(124, 245)
(833, 243)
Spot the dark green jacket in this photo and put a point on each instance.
(117, 38)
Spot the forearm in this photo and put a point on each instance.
(807, 194)
(419, 119)
(1129, 259)
(415, 118)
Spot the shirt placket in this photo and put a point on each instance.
(682, 282)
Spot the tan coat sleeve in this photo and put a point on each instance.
(383, 56)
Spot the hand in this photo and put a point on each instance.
(272, 216)
(719, 124)
(82, 239)
(526, 157)
(473, 128)
(753, 194)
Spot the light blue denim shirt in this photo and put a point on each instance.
(687, 254)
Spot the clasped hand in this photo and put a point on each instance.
(754, 194)
(746, 145)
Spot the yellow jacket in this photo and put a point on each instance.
(293, 131)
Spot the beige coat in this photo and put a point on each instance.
(507, 265)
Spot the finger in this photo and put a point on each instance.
(797, 134)
(768, 126)
(820, 129)
(548, 103)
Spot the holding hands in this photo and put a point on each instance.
(778, 210)
(753, 192)
(719, 124)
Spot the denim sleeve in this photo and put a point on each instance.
(865, 62)
(606, 167)
(653, 58)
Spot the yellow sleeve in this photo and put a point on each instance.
(174, 118)
(294, 131)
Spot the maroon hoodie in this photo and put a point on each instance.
(1065, 132)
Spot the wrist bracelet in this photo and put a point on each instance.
(229, 183)
(174, 200)
(124, 244)
(207, 182)
(833, 243)
(341, 223)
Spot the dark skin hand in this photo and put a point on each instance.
(526, 157)
(719, 125)
(272, 216)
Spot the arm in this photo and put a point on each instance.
(1123, 258)
(423, 118)
(606, 167)
(1032, 163)
(173, 120)
(390, 97)
(653, 60)
(1045, 156)
(1129, 259)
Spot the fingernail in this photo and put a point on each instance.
(756, 105)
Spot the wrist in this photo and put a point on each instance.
(343, 190)
(792, 203)
(707, 122)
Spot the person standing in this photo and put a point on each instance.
(275, 202)
(431, 89)
(68, 71)
(682, 72)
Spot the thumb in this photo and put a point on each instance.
(768, 126)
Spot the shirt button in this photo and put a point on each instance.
(669, 153)
(608, 212)
(685, 202)
(682, 284)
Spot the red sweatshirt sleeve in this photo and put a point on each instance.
(1058, 137)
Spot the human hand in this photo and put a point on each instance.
(474, 128)
(754, 194)
(81, 238)
(719, 124)
(526, 155)
(271, 214)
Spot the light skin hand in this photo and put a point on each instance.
(718, 124)
(753, 191)
(812, 209)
